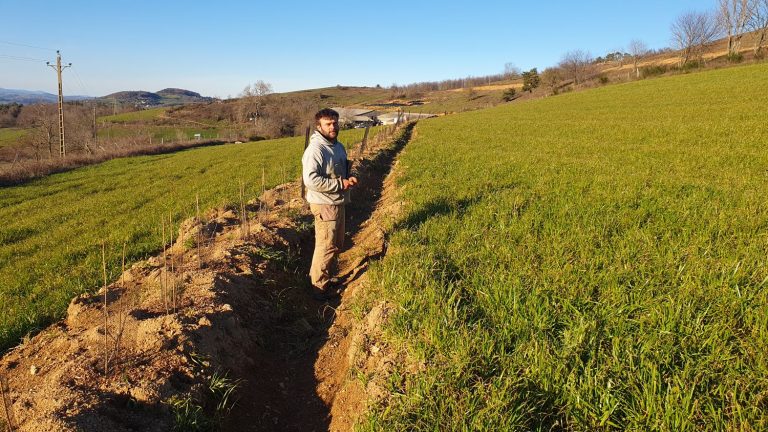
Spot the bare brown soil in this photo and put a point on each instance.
(244, 313)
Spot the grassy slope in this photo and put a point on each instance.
(338, 96)
(461, 100)
(588, 261)
(9, 136)
(135, 116)
(164, 132)
(52, 227)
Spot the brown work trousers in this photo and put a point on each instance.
(329, 239)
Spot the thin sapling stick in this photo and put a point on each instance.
(7, 413)
(106, 311)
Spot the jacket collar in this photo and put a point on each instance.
(320, 139)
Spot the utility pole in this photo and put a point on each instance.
(94, 131)
(58, 69)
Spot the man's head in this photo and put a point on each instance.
(327, 123)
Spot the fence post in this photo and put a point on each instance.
(362, 144)
(306, 144)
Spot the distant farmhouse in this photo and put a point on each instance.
(392, 117)
(362, 117)
(357, 117)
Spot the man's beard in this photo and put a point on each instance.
(328, 137)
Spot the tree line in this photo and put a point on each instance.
(692, 35)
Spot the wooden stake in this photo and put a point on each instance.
(181, 265)
(199, 231)
(245, 229)
(306, 144)
(6, 404)
(245, 214)
(172, 276)
(106, 311)
(121, 315)
(164, 280)
(263, 180)
(362, 144)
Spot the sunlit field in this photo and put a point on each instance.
(53, 227)
(589, 261)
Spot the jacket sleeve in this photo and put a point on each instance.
(314, 177)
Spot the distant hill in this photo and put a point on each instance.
(165, 97)
(27, 97)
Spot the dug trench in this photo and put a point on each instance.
(219, 331)
(298, 383)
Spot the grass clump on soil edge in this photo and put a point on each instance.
(207, 411)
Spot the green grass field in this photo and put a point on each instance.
(135, 116)
(163, 132)
(590, 261)
(52, 227)
(10, 136)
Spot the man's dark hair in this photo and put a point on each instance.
(326, 113)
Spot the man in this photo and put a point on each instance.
(326, 176)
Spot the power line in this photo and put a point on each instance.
(25, 45)
(80, 82)
(21, 58)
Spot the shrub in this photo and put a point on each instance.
(531, 80)
(693, 64)
(509, 95)
(735, 57)
(603, 79)
(653, 70)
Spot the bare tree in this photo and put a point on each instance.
(577, 65)
(692, 32)
(733, 17)
(758, 23)
(78, 126)
(253, 98)
(638, 49)
(261, 88)
(43, 120)
(511, 71)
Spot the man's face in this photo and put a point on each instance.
(328, 127)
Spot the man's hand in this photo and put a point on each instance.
(349, 183)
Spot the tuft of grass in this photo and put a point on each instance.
(188, 415)
(223, 391)
(589, 261)
(190, 243)
(207, 412)
(285, 260)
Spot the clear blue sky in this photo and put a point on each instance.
(217, 49)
